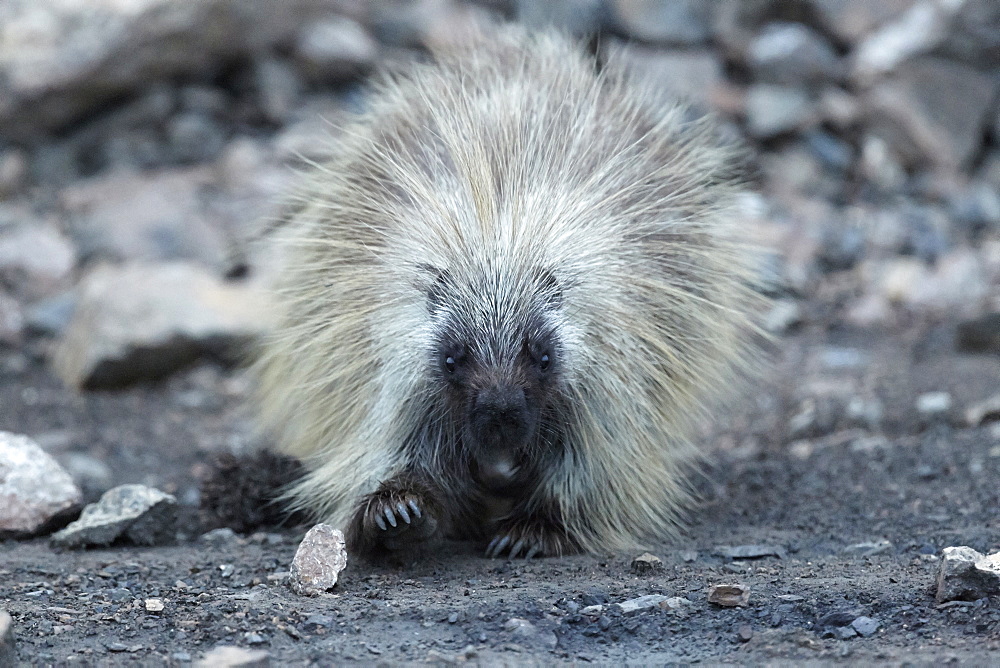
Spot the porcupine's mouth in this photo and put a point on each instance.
(498, 472)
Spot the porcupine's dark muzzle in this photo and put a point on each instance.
(501, 423)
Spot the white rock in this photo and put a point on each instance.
(230, 656)
(33, 486)
(934, 403)
(318, 561)
(967, 575)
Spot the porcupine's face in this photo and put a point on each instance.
(498, 366)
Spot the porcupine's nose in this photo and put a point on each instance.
(501, 407)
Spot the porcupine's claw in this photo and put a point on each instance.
(395, 519)
(531, 537)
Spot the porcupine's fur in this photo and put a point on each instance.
(517, 238)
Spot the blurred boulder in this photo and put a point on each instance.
(678, 22)
(792, 54)
(140, 322)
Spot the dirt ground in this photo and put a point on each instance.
(918, 484)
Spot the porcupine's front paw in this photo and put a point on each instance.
(531, 537)
(396, 519)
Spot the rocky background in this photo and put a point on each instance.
(145, 146)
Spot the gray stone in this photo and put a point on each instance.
(915, 112)
(137, 514)
(865, 626)
(680, 22)
(51, 316)
(159, 215)
(934, 404)
(318, 561)
(917, 31)
(194, 137)
(577, 17)
(8, 650)
(967, 575)
(61, 59)
(749, 551)
(974, 34)
(12, 320)
(634, 605)
(92, 475)
(35, 258)
(784, 316)
(139, 322)
(850, 20)
(691, 75)
(278, 88)
(984, 411)
(869, 549)
(13, 172)
(792, 54)
(230, 656)
(773, 110)
(35, 489)
(335, 49)
(979, 335)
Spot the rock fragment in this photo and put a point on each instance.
(140, 322)
(774, 110)
(984, 411)
(967, 575)
(934, 404)
(230, 656)
(869, 549)
(979, 335)
(335, 49)
(792, 54)
(646, 563)
(8, 652)
(318, 561)
(36, 491)
(679, 22)
(729, 595)
(749, 551)
(865, 626)
(137, 514)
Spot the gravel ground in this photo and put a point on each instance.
(807, 501)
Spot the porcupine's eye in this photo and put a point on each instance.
(450, 363)
(543, 362)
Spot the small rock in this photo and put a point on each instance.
(915, 113)
(979, 335)
(982, 412)
(967, 575)
(792, 54)
(524, 631)
(194, 137)
(220, 536)
(646, 602)
(646, 563)
(154, 215)
(688, 556)
(865, 626)
(679, 22)
(749, 551)
(335, 49)
(785, 315)
(729, 595)
(8, 652)
(691, 75)
(36, 259)
(230, 656)
(745, 633)
(840, 632)
(93, 476)
(934, 404)
(137, 514)
(154, 605)
(140, 322)
(318, 561)
(851, 20)
(913, 32)
(13, 172)
(278, 88)
(869, 549)
(773, 110)
(35, 490)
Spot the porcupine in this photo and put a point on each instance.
(505, 302)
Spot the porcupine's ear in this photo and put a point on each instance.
(438, 282)
(549, 288)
